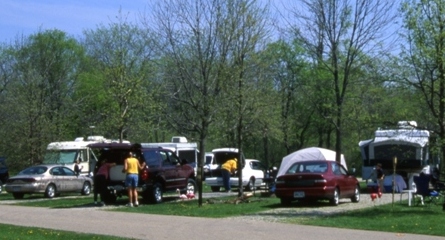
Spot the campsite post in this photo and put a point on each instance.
(394, 179)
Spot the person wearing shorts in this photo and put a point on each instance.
(131, 168)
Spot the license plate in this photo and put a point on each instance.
(15, 189)
(298, 194)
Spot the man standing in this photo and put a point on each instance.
(380, 176)
(131, 168)
(227, 169)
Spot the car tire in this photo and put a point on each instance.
(215, 189)
(86, 189)
(285, 201)
(156, 194)
(335, 198)
(356, 197)
(50, 191)
(251, 185)
(18, 195)
(191, 185)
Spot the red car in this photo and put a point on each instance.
(317, 180)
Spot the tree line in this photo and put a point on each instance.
(266, 79)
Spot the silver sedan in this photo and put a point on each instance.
(51, 180)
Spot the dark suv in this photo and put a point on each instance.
(4, 173)
(165, 172)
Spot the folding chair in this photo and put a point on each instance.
(422, 186)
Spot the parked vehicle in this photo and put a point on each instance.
(252, 172)
(4, 172)
(209, 164)
(317, 180)
(165, 172)
(186, 151)
(49, 179)
(413, 147)
(67, 152)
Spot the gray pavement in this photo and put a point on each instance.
(148, 226)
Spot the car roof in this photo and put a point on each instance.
(112, 145)
(233, 150)
(48, 165)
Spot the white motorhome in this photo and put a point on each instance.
(184, 150)
(67, 152)
(409, 144)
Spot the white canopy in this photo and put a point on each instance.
(307, 154)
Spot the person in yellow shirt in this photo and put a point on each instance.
(131, 168)
(227, 169)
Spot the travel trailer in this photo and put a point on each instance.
(68, 152)
(408, 144)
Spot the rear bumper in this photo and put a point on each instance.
(309, 193)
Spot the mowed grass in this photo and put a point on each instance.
(400, 218)
(32, 233)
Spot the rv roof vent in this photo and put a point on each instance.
(179, 139)
(407, 124)
(78, 139)
(95, 138)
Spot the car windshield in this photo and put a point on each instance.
(33, 170)
(60, 157)
(209, 159)
(308, 168)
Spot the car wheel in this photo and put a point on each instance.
(215, 189)
(18, 195)
(86, 189)
(285, 201)
(335, 198)
(50, 191)
(251, 185)
(156, 193)
(191, 185)
(356, 197)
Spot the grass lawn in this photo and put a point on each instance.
(427, 220)
(31, 233)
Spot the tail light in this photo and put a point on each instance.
(144, 174)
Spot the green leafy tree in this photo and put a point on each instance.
(38, 105)
(337, 33)
(120, 86)
(424, 56)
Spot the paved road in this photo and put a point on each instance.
(147, 226)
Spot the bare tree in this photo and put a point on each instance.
(338, 34)
(206, 42)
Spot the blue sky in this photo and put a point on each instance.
(26, 17)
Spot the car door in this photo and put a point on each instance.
(344, 181)
(256, 171)
(73, 182)
(182, 170)
(170, 169)
(58, 179)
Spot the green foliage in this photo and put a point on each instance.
(216, 77)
